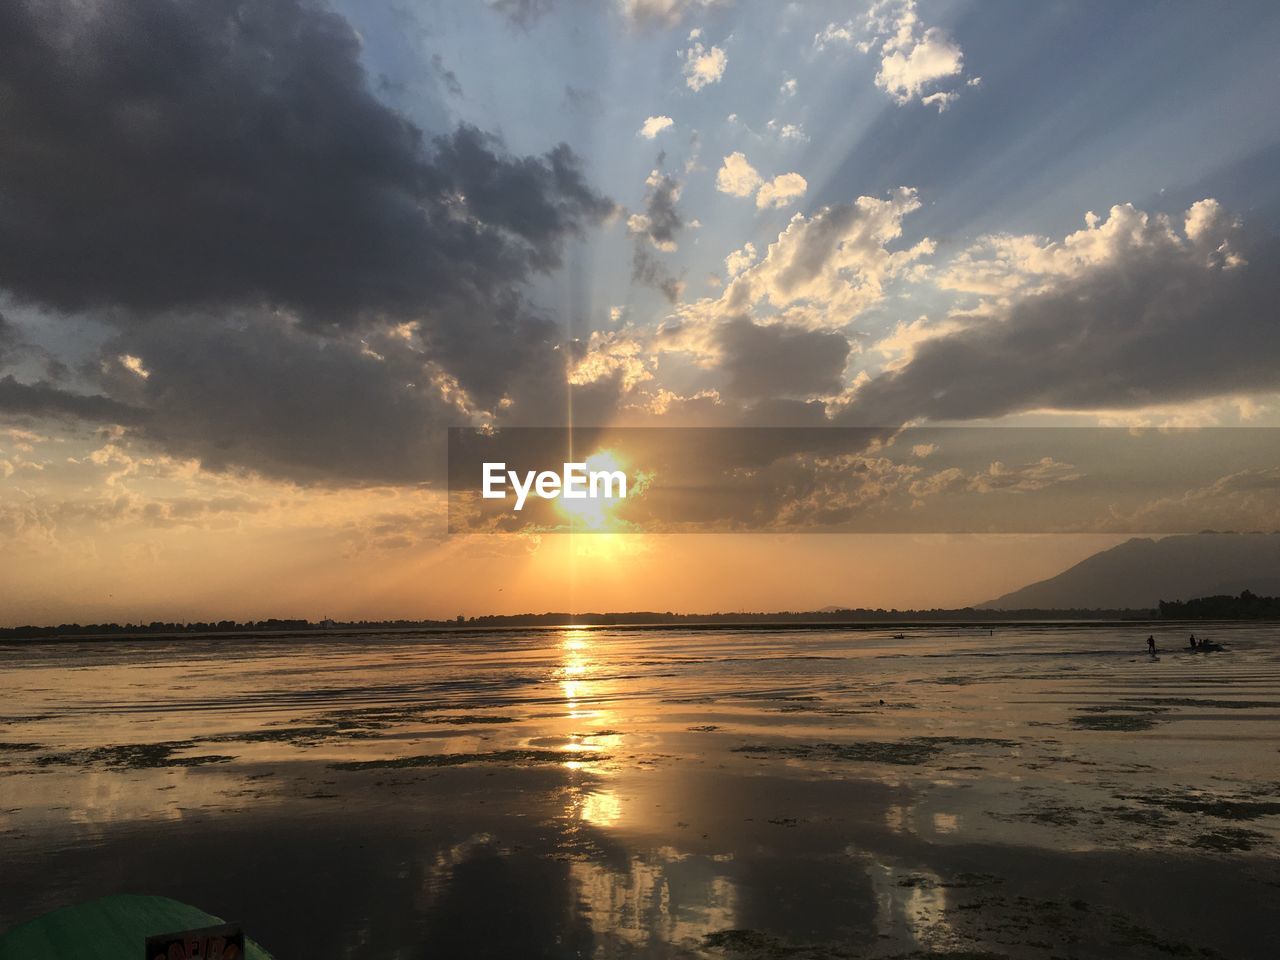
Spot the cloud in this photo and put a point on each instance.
(1030, 477)
(657, 227)
(613, 354)
(189, 155)
(240, 169)
(9, 340)
(1127, 313)
(703, 66)
(647, 270)
(788, 131)
(776, 360)
(835, 262)
(739, 260)
(1223, 505)
(219, 180)
(262, 393)
(664, 13)
(916, 62)
(899, 345)
(1004, 264)
(736, 176)
(780, 191)
(996, 478)
(134, 365)
(834, 33)
(660, 221)
(817, 277)
(654, 126)
(44, 400)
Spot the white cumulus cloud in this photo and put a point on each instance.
(739, 178)
(917, 63)
(702, 65)
(654, 126)
(781, 190)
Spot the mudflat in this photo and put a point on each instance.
(1031, 791)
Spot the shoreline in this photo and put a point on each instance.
(700, 626)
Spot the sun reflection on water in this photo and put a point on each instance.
(601, 808)
(574, 673)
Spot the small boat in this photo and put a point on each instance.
(110, 927)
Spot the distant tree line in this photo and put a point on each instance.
(851, 616)
(1247, 606)
(156, 627)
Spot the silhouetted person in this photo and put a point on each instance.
(1151, 645)
(1193, 641)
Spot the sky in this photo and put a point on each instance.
(256, 259)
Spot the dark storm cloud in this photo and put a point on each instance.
(8, 339)
(657, 227)
(777, 360)
(162, 155)
(260, 392)
(43, 400)
(1147, 327)
(197, 173)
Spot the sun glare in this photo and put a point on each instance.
(593, 512)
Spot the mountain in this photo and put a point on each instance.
(1141, 572)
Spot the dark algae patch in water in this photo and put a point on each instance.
(1215, 704)
(133, 756)
(298, 736)
(1221, 807)
(906, 752)
(981, 926)
(916, 750)
(458, 759)
(918, 881)
(1130, 723)
(352, 725)
(1229, 839)
(1123, 708)
(968, 741)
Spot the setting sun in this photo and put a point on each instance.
(595, 511)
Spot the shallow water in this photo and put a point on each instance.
(1032, 792)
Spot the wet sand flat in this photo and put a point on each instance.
(1034, 792)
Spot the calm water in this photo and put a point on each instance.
(1036, 792)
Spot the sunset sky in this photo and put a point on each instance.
(257, 257)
